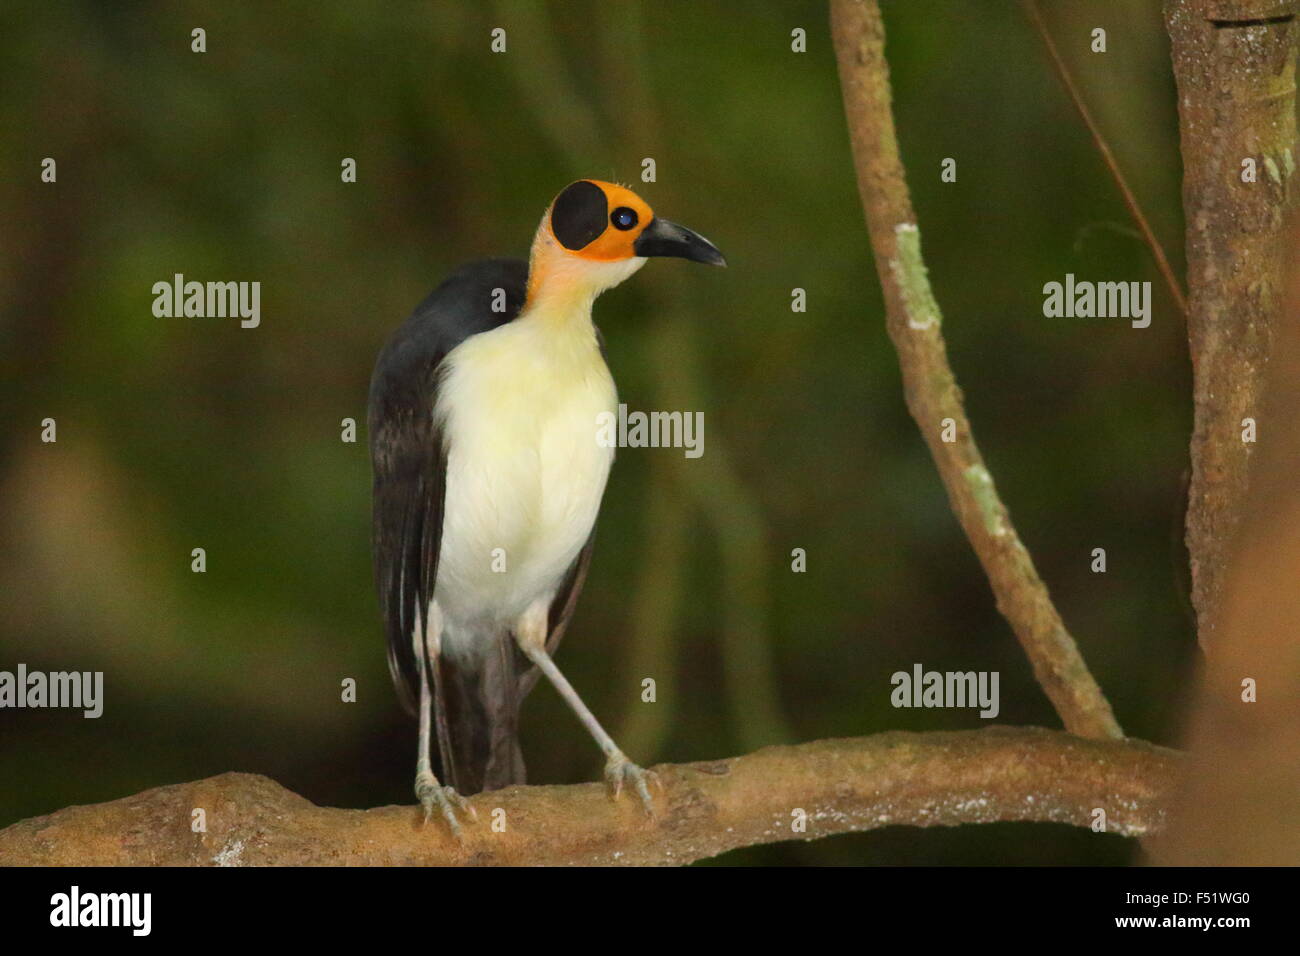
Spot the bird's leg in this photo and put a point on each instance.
(428, 790)
(531, 633)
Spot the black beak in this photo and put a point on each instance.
(664, 238)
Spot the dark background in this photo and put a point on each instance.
(181, 433)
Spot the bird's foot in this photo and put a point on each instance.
(431, 794)
(620, 771)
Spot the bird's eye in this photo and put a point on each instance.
(623, 218)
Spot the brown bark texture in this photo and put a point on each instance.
(834, 786)
(1239, 803)
(1234, 63)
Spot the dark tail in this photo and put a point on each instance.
(477, 714)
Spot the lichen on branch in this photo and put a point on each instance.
(933, 398)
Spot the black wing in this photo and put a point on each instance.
(406, 447)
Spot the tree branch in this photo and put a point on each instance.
(1235, 67)
(933, 779)
(913, 320)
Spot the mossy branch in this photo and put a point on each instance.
(915, 326)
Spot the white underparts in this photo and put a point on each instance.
(525, 473)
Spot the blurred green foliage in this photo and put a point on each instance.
(180, 433)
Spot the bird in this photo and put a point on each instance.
(488, 477)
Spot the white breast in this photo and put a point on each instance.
(525, 472)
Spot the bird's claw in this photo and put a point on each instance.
(619, 771)
(431, 794)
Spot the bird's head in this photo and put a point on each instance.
(596, 234)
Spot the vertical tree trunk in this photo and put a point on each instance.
(1239, 799)
(1234, 61)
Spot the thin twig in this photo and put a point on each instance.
(1130, 200)
(803, 792)
(913, 321)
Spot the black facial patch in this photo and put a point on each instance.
(578, 215)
